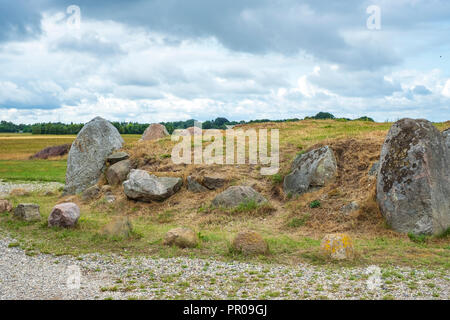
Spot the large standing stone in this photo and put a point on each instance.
(94, 143)
(27, 212)
(154, 132)
(235, 195)
(413, 184)
(146, 187)
(64, 215)
(310, 170)
(118, 172)
(181, 237)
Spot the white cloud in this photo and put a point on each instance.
(127, 72)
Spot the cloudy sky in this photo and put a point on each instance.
(165, 60)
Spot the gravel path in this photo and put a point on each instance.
(115, 277)
(7, 187)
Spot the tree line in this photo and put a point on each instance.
(139, 128)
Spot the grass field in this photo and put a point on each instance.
(20, 146)
(293, 228)
(15, 150)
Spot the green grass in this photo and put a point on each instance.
(314, 204)
(15, 149)
(33, 170)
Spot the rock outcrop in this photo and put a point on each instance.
(54, 151)
(154, 132)
(86, 162)
(236, 195)
(413, 184)
(145, 187)
(64, 215)
(28, 212)
(311, 170)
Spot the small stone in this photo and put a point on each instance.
(194, 186)
(249, 243)
(90, 194)
(337, 246)
(213, 182)
(5, 206)
(145, 187)
(64, 215)
(118, 172)
(181, 237)
(374, 168)
(119, 227)
(311, 170)
(106, 188)
(352, 206)
(27, 212)
(236, 195)
(117, 157)
(109, 197)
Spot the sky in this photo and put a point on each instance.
(168, 60)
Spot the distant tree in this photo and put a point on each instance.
(365, 118)
(207, 125)
(323, 116)
(220, 122)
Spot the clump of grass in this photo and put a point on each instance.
(298, 222)
(444, 234)
(314, 204)
(246, 206)
(13, 244)
(165, 217)
(277, 178)
(165, 156)
(421, 238)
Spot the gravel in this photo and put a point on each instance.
(44, 276)
(7, 187)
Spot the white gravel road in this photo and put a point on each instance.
(45, 276)
(7, 187)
